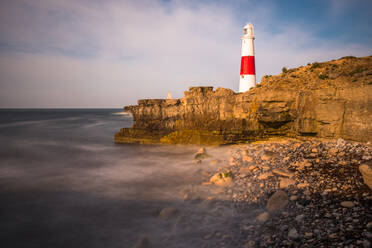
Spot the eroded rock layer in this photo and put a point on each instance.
(330, 100)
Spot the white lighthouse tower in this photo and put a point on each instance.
(247, 68)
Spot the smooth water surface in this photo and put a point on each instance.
(64, 183)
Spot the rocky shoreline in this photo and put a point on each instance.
(288, 178)
(281, 193)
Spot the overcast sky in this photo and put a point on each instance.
(92, 53)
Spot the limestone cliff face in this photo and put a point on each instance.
(330, 100)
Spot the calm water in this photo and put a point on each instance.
(64, 183)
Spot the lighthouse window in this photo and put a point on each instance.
(245, 31)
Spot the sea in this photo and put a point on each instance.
(65, 183)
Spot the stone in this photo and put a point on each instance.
(141, 242)
(250, 244)
(233, 161)
(308, 235)
(168, 213)
(340, 142)
(247, 158)
(247, 228)
(265, 157)
(368, 235)
(214, 162)
(282, 172)
(293, 198)
(277, 201)
(293, 234)
(342, 163)
(300, 218)
(286, 182)
(283, 228)
(302, 165)
(265, 175)
(252, 167)
(307, 192)
(369, 225)
(333, 236)
(222, 178)
(333, 151)
(187, 197)
(303, 185)
(347, 204)
(247, 169)
(208, 236)
(263, 217)
(313, 155)
(201, 154)
(201, 150)
(366, 171)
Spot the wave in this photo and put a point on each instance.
(98, 123)
(122, 113)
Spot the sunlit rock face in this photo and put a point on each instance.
(330, 100)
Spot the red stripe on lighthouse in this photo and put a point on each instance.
(247, 66)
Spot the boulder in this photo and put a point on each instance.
(366, 171)
(293, 234)
(222, 178)
(277, 201)
(201, 154)
(263, 217)
(168, 213)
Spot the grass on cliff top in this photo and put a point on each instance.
(347, 71)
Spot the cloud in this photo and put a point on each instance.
(109, 54)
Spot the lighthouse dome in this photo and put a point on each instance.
(248, 30)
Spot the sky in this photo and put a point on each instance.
(107, 54)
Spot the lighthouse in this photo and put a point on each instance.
(247, 67)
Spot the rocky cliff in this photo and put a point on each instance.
(331, 100)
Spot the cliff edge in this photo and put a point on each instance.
(328, 100)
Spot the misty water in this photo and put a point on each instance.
(64, 183)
